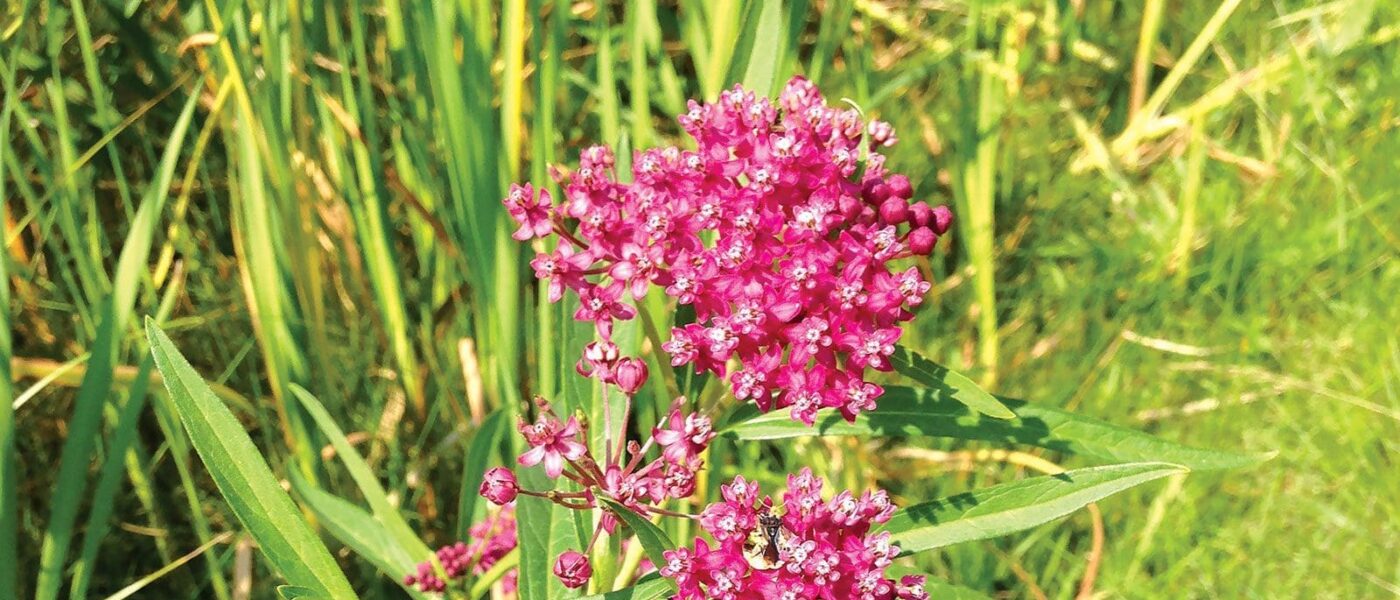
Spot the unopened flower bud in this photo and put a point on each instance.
(920, 214)
(894, 211)
(900, 186)
(573, 569)
(942, 219)
(499, 486)
(630, 374)
(921, 240)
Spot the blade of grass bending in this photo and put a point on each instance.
(358, 530)
(141, 583)
(483, 445)
(243, 477)
(372, 216)
(123, 436)
(97, 381)
(482, 585)
(9, 509)
(364, 477)
(1012, 507)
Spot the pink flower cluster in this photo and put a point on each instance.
(782, 229)
(622, 478)
(492, 539)
(816, 549)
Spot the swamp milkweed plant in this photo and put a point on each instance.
(782, 256)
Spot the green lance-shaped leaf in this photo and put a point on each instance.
(358, 530)
(533, 525)
(1013, 507)
(244, 478)
(940, 378)
(384, 512)
(653, 539)
(906, 411)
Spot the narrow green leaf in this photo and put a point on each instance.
(648, 589)
(919, 412)
(760, 47)
(9, 484)
(244, 478)
(653, 539)
(486, 440)
(938, 377)
(294, 592)
(1013, 507)
(385, 512)
(565, 534)
(359, 530)
(532, 518)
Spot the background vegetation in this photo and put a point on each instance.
(1180, 217)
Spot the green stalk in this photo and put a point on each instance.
(638, 24)
(1190, 193)
(9, 499)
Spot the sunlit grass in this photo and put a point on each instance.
(1192, 232)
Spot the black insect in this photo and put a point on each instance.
(764, 548)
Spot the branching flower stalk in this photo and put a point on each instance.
(781, 229)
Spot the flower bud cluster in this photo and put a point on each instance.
(491, 540)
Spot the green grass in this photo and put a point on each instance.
(1186, 226)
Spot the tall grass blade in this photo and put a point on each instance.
(70, 489)
(124, 432)
(9, 509)
(485, 443)
(384, 511)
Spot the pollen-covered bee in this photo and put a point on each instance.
(768, 542)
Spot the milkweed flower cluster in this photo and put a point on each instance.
(626, 478)
(491, 540)
(816, 549)
(781, 229)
